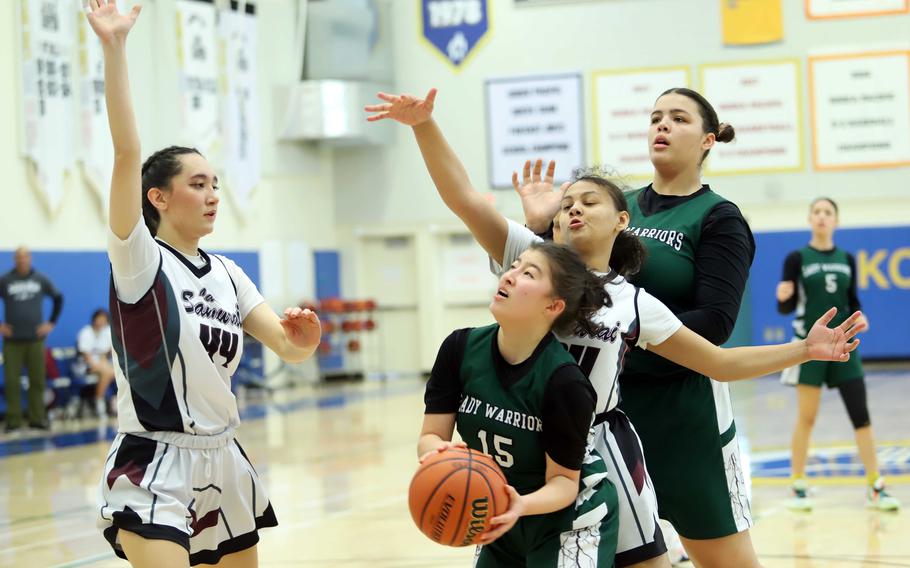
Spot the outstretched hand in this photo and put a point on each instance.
(302, 327)
(406, 109)
(539, 200)
(107, 22)
(834, 343)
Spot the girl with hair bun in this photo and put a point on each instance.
(592, 216)
(699, 249)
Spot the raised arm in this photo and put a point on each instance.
(487, 225)
(112, 27)
(688, 349)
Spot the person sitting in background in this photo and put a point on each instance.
(94, 346)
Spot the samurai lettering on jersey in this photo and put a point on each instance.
(636, 319)
(177, 331)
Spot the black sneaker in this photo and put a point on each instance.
(10, 429)
(43, 425)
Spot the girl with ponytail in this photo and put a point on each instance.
(592, 217)
(178, 315)
(700, 249)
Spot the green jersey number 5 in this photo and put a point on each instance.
(830, 283)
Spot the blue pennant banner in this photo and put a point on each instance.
(455, 27)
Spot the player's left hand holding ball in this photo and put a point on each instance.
(302, 327)
(833, 343)
(503, 523)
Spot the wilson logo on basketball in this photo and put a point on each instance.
(477, 524)
(454, 494)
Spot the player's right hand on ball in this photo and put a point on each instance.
(443, 446)
(503, 523)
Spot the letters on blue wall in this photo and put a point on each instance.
(883, 283)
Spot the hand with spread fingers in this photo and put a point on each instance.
(834, 343)
(539, 199)
(406, 109)
(302, 327)
(108, 23)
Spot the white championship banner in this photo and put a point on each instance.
(48, 40)
(240, 104)
(197, 58)
(95, 149)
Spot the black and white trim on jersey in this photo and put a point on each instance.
(177, 335)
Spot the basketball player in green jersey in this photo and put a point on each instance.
(816, 277)
(514, 392)
(519, 396)
(700, 249)
(593, 218)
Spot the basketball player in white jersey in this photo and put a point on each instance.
(592, 220)
(177, 488)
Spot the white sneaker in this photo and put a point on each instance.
(879, 499)
(100, 408)
(800, 500)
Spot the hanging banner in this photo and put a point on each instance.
(240, 104)
(825, 9)
(623, 101)
(48, 40)
(95, 149)
(761, 99)
(860, 105)
(750, 22)
(455, 27)
(534, 117)
(197, 59)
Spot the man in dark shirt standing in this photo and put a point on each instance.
(24, 329)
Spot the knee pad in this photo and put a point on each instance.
(853, 394)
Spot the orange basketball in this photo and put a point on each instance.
(455, 493)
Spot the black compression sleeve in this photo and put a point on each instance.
(567, 414)
(546, 235)
(791, 274)
(443, 391)
(725, 252)
(852, 297)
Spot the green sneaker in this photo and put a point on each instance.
(800, 500)
(879, 499)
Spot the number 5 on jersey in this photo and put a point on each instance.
(503, 457)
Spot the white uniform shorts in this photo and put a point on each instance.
(198, 491)
(640, 537)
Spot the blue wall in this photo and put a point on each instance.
(883, 267)
(83, 278)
